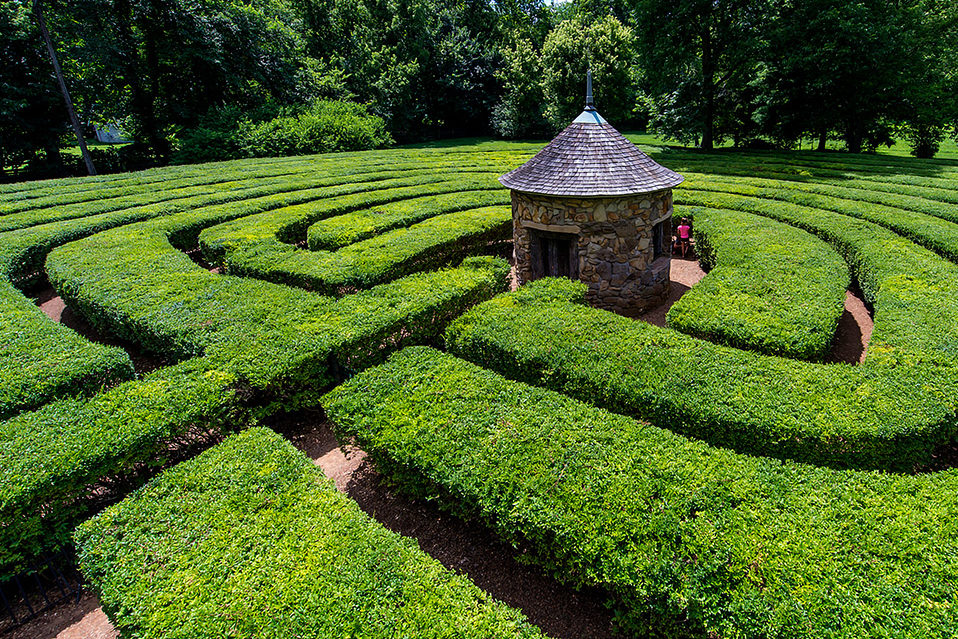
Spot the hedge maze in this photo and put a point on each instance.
(714, 478)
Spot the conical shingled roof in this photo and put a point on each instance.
(590, 159)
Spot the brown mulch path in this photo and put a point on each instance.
(684, 273)
(854, 331)
(68, 620)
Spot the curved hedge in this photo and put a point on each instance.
(690, 539)
(437, 241)
(884, 417)
(41, 360)
(250, 540)
(771, 288)
(336, 232)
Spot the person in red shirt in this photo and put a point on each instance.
(683, 240)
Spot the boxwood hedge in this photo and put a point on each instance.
(879, 416)
(691, 540)
(265, 348)
(437, 241)
(250, 540)
(771, 288)
(41, 360)
(336, 232)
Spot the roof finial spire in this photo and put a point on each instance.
(589, 106)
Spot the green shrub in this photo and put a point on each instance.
(250, 540)
(771, 288)
(265, 348)
(341, 230)
(326, 126)
(51, 459)
(691, 540)
(886, 417)
(932, 232)
(437, 241)
(41, 360)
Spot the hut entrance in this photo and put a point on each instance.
(554, 254)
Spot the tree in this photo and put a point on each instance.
(931, 84)
(519, 113)
(698, 56)
(607, 47)
(838, 66)
(166, 62)
(32, 116)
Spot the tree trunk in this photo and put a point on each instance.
(142, 102)
(822, 139)
(77, 129)
(708, 88)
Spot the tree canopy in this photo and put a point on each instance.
(698, 71)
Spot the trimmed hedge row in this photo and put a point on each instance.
(51, 459)
(932, 232)
(265, 348)
(883, 417)
(931, 201)
(41, 360)
(277, 230)
(336, 232)
(206, 196)
(914, 292)
(250, 540)
(444, 239)
(22, 252)
(771, 288)
(691, 540)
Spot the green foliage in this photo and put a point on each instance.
(52, 458)
(336, 232)
(41, 361)
(691, 540)
(519, 114)
(607, 47)
(889, 413)
(771, 287)
(437, 241)
(32, 115)
(324, 127)
(254, 528)
(546, 91)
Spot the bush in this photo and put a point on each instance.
(437, 241)
(265, 348)
(691, 540)
(250, 540)
(321, 127)
(341, 230)
(51, 459)
(771, 288)
(878, 416)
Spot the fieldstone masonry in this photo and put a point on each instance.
(613, 240)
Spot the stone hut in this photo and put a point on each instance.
(592, 206)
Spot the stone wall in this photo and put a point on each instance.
(615, 249)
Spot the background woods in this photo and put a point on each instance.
(195, 80)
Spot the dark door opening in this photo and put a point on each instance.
(555, 255)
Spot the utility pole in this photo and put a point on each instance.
(37, 9)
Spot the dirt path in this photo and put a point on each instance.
(854, 327)
(684, 275)
(466, 548)
(854, 332)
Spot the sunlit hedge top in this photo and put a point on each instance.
(590, 159)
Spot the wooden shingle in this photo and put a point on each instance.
(590, 159)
